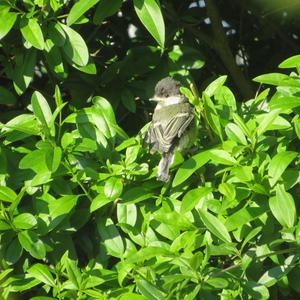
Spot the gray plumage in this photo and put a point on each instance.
(172, 119)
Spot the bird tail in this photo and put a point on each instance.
(164, 165)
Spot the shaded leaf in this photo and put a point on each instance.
(150, 15)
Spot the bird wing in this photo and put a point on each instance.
(163, 136)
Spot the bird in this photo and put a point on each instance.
(173, 124)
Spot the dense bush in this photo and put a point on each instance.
(81, 213)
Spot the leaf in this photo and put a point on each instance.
(6, 26)
(56, 34)
(244, 215)
(214, 225)
(78, 9)
(6, 97)
(24, 70)
(104, 117)
(62, 206)
(113, 188)
(283, 207)
(99, 201)
(106, 8)
(13, 252)
(193, 197)
(32, 32)
(24, 221)
(242, 125)
(278, 165)
(267, 121)
(273, 275)
(291, 62)
(149, 290)
(277, 79)
(32, 244)
(190, 166)
(53, 158)
(211, 115)
(5, 273)
(42, 273)
(221, 157)
(284, 103)
(234, 133)
(150, 15)
(111, 237)
(128, 100)
(7, 194)
(136, 194)
(127, 213)
(215, 85)
(75, 48)
(256, 290)
(41, 110)
(73, 271)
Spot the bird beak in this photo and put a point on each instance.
(156, 99)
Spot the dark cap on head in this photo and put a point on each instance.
(167, 87)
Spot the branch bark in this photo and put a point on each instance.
(221, 46)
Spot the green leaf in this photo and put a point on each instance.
(278, 165)
(277, 79)
(99, 201)
(5, 273)
(283, 207)
(256, 290)
(42, 273)
(273, 275)
(13, 252)
(24, 221)
(7, 194)
(128, 100)
(113, 188)
(78, 9)
(6, 26)
(190, 166)
(75, 47)
(150, 15)
(214, 225)
(32, 244)
(267, 121)
(32, 32)
(62, 206)
(212, 115)
(56, 34)
(136, 194)
(6, 97)
(127, 213)
(24, 70)
(284, 103)
(73, 271)
(149, 290)
(215, 85)
(242, 125)
(111, 237)
(175, 219)
(221, 157)
(244, 215)
(41, 110)
(291, 62)
(234, 133)
(193, 197)
(106, 8)
(104, 117)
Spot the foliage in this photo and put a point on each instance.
(81, 213)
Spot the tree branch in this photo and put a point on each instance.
(221, 46)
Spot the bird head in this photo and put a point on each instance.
(166, 89)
